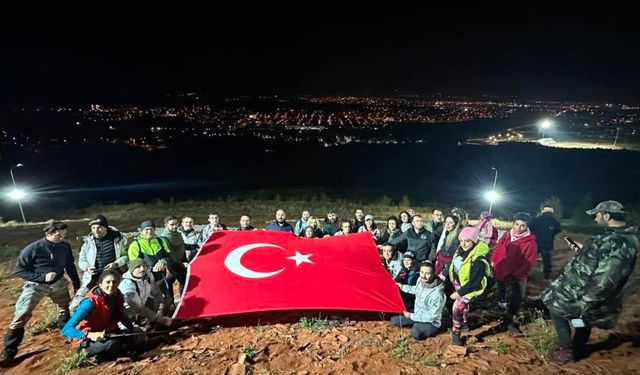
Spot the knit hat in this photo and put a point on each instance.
(99, 220)
(469, 233)
(54, 226)
(523, 216)
(136, 263)
(486, 215)
(409, 255)
(368, 217)
(147, 224)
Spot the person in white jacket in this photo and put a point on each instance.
(142, 298)
(425, 321)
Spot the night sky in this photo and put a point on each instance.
(126, 55)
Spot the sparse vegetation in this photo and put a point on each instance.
(8, 251)
(430, 361)
(313, 323)
(400, 346)
(77, 360)
(48, 322)
(500, 346)
(539, 333)
(250, 351)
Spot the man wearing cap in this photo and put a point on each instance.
(103, 249)
(590, 291)
(545, 227)
(142, 297)
(512, 260)
(42, 264)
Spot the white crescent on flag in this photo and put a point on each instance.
(233, 264)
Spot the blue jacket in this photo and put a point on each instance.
(285, 227)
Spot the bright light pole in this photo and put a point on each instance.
(544, 125)
(492, 196)
(17, 194)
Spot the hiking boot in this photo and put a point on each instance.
(502, 305)
(513, 328)
(561, 356)
(6, 359)
(456, 339)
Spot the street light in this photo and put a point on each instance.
(492, 196)
(17, 194)
(544, 125)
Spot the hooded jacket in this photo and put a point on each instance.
(514, 258)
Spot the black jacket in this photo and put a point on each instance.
(545, 227)
(43, 256)
(421, 243)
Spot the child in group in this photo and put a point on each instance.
(409, 273)
(391, 262)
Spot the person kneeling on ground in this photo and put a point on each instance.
(142, 297)
(429, 292)
(96, 317)
(469, 272)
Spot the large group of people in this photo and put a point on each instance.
(440, 264)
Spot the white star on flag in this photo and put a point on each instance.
(301, 258)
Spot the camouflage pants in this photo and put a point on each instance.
(33, 293)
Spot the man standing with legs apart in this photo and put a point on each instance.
(591, 289)
(42, 265)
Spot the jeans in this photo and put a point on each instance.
(547, 255)
(419, 330)
(518, 290)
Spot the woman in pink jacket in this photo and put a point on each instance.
(512, 260)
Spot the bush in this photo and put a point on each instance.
(315, 324)
(539, 334)
(75, 361)
(250, 351)
(48, 322)
(400, 346)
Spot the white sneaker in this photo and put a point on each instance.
(503, 305)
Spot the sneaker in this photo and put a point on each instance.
(456, 339)
(513, 329)
(561, 356)
(6, 358)
(502, 305)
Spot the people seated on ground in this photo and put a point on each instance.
(97, 316)
(436, 224)
(314, 227)
(405, 221)
(155, 251)
(593, 286)
(178, 252)
(280, 224)
(545, 227)
(470, 273)
(391, 261)
(425, 321)
(358, 221)
(103, 249)
(345, 228)
(214, 224)
(302, 223)
(245, 223)
(512, 259)
(408, 275)
(417, 240)
(371, 227)
(330, 224)
(487, 233)
(42, 264)
(143, 301)
(393, 230)
(192, 240)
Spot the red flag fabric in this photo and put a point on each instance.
(251, 271)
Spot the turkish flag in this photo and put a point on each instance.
(251, 271)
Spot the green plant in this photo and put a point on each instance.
(539, 333)
(250, 351)
(400, 346)
(48, 322)
(500, 346)
(431, 361)
(313, 323)
(75, 361)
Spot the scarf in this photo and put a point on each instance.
(515, 237)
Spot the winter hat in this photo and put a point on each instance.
(522, 216)
(409, 255)
(136, 263)
(147, 224)
(99, 220)
(486, 215)
(368, 217)
(469, 233)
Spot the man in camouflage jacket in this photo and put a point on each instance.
(590, 291)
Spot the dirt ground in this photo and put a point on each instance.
(346, 347)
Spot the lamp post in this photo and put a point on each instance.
(493, 195)
(544, 125)
(18, 195)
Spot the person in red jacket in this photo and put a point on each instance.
(512, 260)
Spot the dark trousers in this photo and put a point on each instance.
(516, 294)
(107, 350)
(419, 330)
(547, 255)
(563, 330)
